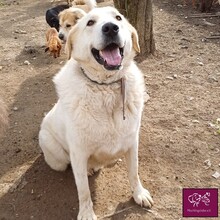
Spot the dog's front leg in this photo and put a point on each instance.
(79, 166)
(140, 194)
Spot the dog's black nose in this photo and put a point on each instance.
(109, 29)
(61, 36)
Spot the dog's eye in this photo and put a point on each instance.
(118, 18)
(68, 25)
(90, 22)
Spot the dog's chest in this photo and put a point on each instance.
(95, 115)
(99, 115)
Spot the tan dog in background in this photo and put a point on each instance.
(69, 17)
(53, 42)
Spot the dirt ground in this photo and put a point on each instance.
(179, 143)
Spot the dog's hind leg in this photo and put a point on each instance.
(54, 153)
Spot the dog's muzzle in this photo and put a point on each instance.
(61, 36)
(111, 55)
(110, 30)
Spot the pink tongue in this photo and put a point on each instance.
(112, 57)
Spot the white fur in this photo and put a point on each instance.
(86, 126)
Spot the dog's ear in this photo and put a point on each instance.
(46, 49)
(135, 40)
(59, 15)
(79, 14)
(69, 43)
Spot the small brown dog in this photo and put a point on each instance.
(54, 44)
(3, 117)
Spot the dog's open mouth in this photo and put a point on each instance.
(110, 57)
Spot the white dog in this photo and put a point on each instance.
(87, 127)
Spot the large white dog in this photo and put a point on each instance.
(101, 94)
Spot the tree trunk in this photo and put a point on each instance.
(140, 15)
(205, 5)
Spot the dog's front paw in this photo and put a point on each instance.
(142, 197)
(87, 215)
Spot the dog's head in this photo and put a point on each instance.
(67, 19)
(103, 38)
(54, 49)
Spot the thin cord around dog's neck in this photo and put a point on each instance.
(122, 80)
(94, 81)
